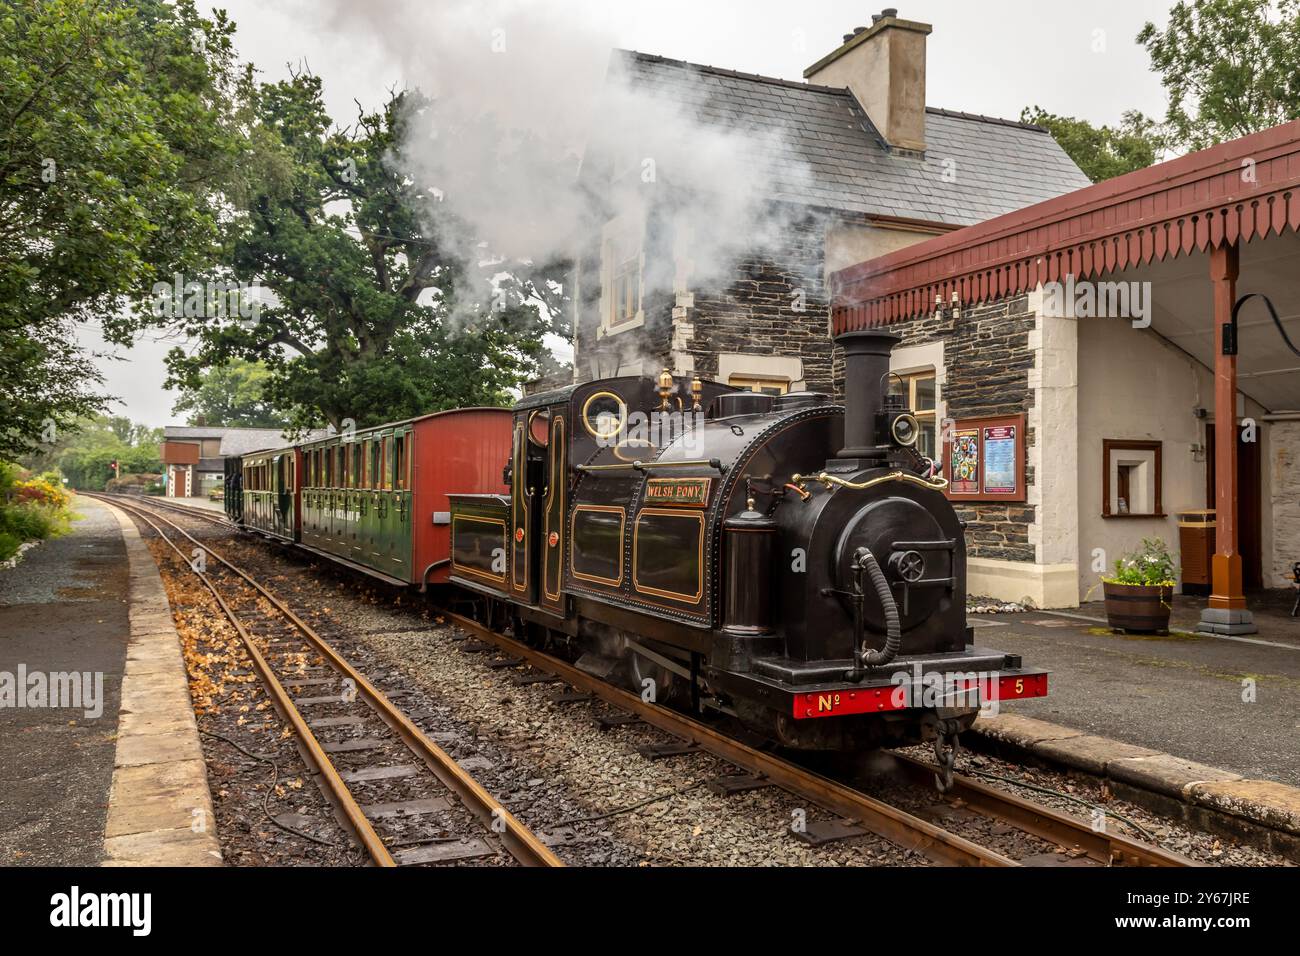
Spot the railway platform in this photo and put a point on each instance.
(1230, 702)
(116, 777)
(1200, 726)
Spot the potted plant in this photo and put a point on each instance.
(1139, 596)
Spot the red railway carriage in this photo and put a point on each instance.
(376, 499)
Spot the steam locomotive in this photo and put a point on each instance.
(783, 559)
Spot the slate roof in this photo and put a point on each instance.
(238, 441)
(819, 148)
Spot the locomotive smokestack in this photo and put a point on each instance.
(866, 364)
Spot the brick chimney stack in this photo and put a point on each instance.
(884, 66)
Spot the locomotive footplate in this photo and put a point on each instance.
(962, 681)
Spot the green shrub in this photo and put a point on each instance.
(30, 510)
(1151, 565)
(9, 545)
(30, 522)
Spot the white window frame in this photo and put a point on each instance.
(625, 231)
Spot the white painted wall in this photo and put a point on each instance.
(1283, 471)
(1134, 385)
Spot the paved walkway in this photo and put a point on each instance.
(62, 609)
(1182, 694)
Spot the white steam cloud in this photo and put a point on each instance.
(524, 95)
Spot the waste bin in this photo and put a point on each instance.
(1196, 544)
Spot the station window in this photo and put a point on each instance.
(624, 257)
(920, 393)
(756, 383)
(1132, 478)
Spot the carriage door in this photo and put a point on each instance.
(283, 499)
(548, 430)
(401, 453)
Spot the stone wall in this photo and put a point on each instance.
(987, 358)
(772, 304)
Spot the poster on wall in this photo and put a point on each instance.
(1000, 460)
(986, 459)
(965, 462)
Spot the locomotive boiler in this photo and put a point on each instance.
(784, 559)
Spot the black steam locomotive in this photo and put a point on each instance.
(784, 559)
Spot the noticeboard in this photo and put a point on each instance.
(985, 459)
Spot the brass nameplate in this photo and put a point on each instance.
(693, 492)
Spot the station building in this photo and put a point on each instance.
(1065, 339)
(193, 456)
(1105, 322)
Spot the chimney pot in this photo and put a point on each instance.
(884, 67)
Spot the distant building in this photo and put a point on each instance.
(192, 455)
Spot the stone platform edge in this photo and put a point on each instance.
(1262, 812)
(160, 805)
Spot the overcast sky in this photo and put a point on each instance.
(985, 56)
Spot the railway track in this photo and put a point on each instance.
(369, 739)
(906, 829)
(212, 517)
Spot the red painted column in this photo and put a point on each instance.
(1227, 592)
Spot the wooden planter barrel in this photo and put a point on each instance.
(1140, 608)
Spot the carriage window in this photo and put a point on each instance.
(367, 474)
(356, 465)
(372, 469)
(382, 458)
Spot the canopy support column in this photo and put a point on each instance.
(1227, 613)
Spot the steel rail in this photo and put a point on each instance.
(1045, 822)
(895, 825)
(518, 840)
(214, 517)
(284, 703)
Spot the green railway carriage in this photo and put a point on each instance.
(270, 492)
